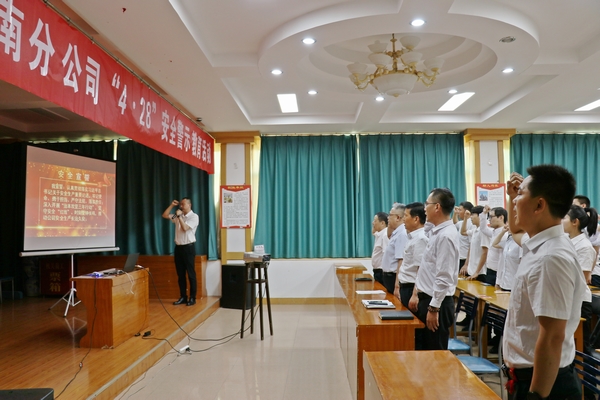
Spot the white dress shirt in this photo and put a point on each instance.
(395, 250)
(381, 242)
(586, 256)
(438, 273)
(494, 254)
(464, 240)
(413, 253)
(549, 282)
(186, 237)
(478, 241)
(509, 262)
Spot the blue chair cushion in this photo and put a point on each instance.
(479, 365)
(458, 345)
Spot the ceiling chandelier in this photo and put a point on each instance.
(399, 79)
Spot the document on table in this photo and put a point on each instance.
(370, 292)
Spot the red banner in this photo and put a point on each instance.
(41, 53)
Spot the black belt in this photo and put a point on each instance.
(406, 284)
(525, 374)
(389, 273)
(183, 245)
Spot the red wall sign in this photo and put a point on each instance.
(41, 53)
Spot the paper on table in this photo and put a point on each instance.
(343, 267)
(501, 291)
(370, 292)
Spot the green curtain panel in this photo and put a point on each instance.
(580, 154)
(306, 205)
(147, 182)
(404, 169)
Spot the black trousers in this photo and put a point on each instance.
(438, 340)
(490, 277)
(185, 256)
(567, 385)
(378, 275)
(406, 291)
(389, 281)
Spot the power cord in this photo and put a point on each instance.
(89, 349)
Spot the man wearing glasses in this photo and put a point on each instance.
(394, 252)
(432, 300)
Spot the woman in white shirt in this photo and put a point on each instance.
(576, 220)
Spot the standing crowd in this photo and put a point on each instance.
(543, 249)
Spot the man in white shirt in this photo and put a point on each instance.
(414, 219)
(185, 222)
(394, 252)
(432, 300)
(379, 231)
(458, 218)
(475, 265)
(498, 218)
(545, 303)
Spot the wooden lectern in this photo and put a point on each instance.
(117, 307)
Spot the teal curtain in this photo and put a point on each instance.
(147, 182)
(404, 169)
(306, 205)
(580, 154)
(212, 222)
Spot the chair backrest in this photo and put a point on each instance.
(467, 304)
(587, 368)
(494, 317)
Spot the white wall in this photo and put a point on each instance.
(299, 278)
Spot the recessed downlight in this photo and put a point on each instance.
(452, 91)
(507, 70)
(276, 71)
(312, 92)
(417, 22)
(379, 98)
(308, 40)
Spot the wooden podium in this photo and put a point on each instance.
(119, 304)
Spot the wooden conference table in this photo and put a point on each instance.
(117, 307)
(361, 329)
(422, 375)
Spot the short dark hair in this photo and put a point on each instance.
(500, 212)
(445, 198)
(188, 199)
(477, 210)
(467, 205)
(417, 210)
(382, 217)
(583, 199)
(554, 184)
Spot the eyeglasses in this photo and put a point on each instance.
(397, 214)
(428, 204)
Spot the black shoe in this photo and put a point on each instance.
(182, 300)
(191, 302)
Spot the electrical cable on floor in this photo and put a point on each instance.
(89, 349)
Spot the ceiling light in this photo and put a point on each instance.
(276, 72)
(379, 98)
(288, 103)
(507, 70)
(508, 39)
(591, 106)
(452, 91)
(406, 68)
(312, 92)
(455, 101)
(308, 40)
(417, 22)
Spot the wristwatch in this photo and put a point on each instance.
(534, 396)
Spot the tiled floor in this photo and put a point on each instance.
(302, 360)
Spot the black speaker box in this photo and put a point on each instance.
(233, 278)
